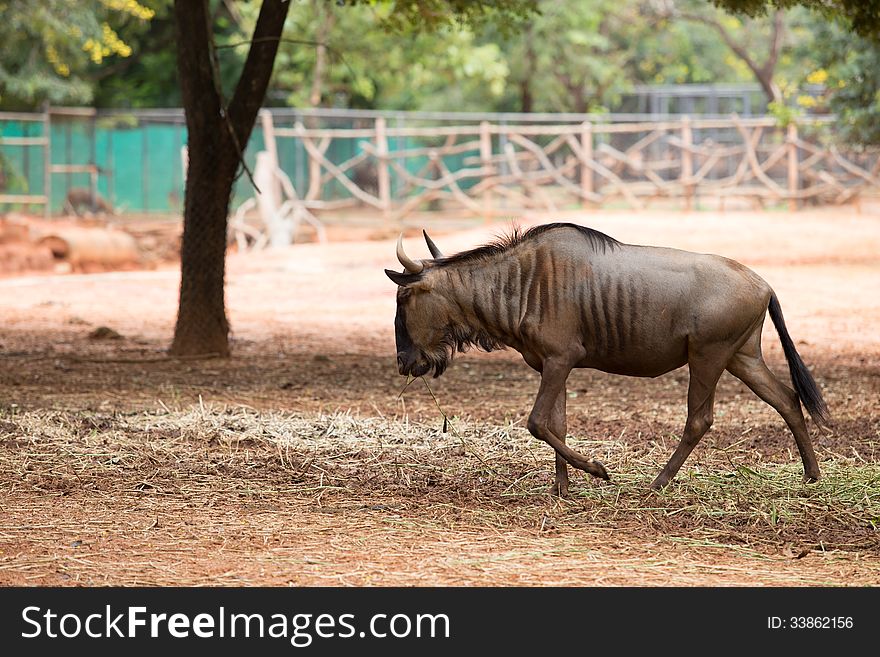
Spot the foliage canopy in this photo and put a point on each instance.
(493, 55)
(860, 16)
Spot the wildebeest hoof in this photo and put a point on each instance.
(559, 489)
(810, 479)
(659, 484)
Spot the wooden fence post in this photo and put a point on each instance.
(271, 147)
(587, 152)
(793, 181)
(269, 144)
(47, 164)
(486, 163)
(383, 176)
(315, 191)
(687, 162)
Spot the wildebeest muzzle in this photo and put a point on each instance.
(410, 363)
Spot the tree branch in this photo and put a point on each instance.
(737, 48)
(239, 151)
(233, 12)
(257, 71)
(763, 73)
(197, 88)
(775, 42)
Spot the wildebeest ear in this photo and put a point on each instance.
(402, 278)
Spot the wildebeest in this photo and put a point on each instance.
(81, 200)
(567, 296)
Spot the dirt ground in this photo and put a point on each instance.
(298, 462)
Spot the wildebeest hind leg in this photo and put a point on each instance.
(553, 376)
(559, 427)
(705, 367)
(748, 366)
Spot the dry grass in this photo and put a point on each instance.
(184, 471)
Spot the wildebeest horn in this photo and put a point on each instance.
(435, 252)
(409, 264)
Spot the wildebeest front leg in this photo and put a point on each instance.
(559, 427)
(541, 426)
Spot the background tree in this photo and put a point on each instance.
(369, 65)
(845, 55)
(51, 48)
(747, 39)
(673, 52)
(859, 16)
(217, 133)
(571, 57)
(147, 78)
(841, 75)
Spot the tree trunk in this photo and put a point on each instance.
(526, 100)
(581, 100)
(326, 18)
(769, 87)
(763, 72)
(525, 96)
(216, 137)
(202, 327)
(765, 77)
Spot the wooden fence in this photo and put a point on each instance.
(483, 164)
(494, 169)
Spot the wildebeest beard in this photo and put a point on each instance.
(459, 338)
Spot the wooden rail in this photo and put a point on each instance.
(504, 168)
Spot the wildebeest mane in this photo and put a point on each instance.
(598, 242)
(459, 338)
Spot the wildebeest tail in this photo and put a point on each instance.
(803, 381)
